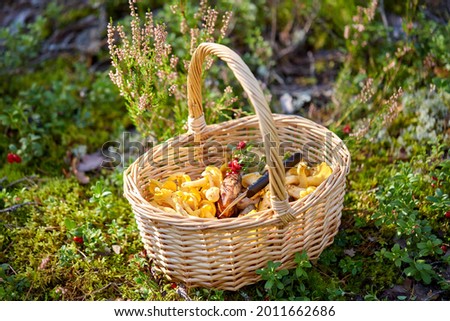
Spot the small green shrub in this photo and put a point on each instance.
(302, 283)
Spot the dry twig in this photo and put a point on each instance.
(15, 207)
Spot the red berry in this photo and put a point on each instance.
(447, 214)
(13, 158)
(235, 166)
(434, 178)
(444, 249)
(78, 239)
(10, 158)
(433, 185)
(347, 129)
(241, 145)
(173, 285)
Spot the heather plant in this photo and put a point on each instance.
(61, 240)
(149, 66)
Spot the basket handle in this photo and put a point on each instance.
(197, 124)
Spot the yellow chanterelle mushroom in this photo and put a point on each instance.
(212, 194)
(301, 173)
(207, 209)
(321, 174)
(307, 191)
(209, 183)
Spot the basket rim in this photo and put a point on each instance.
(267, 217)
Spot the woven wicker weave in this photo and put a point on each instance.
(225, 253)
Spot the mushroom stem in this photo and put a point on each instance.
(197, 183)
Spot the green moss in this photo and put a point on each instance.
(36, 233)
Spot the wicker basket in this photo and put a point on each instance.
(225, 254)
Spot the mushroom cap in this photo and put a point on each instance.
(163, 197)
(323, 171)
(212, 194)
(207, 209)
(215, 175)
(250, 178)
(152, 185)
(179, 178)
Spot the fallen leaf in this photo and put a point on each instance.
(90, 162)
(81, 176)
(183, 292)
(117, 249)
(350, 252)
(425, 292)
(395, 292)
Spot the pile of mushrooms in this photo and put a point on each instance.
(179, 194)
(300, 181)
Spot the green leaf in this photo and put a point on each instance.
(432, 199)
(106, 193)
(283, 272)
(425, 277)
(269, 284)
(410, 271)
(299, 272)
(280, 285)
(422, 245)
(69, 224)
